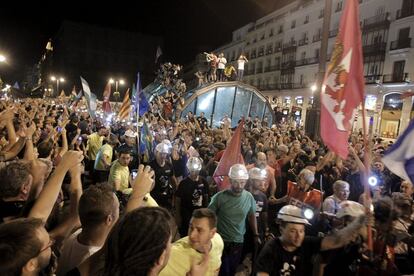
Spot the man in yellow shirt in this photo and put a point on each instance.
(104, 159)
(94, 143)
(188, 251)
(119, 173)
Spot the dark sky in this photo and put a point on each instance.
(187, 26)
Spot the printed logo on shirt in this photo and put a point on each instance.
(288, 269)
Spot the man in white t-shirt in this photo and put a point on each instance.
(98, 212)
(222, 61)
(240, 66)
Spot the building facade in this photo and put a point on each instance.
(283, 49)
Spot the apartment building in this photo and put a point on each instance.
(283, 49)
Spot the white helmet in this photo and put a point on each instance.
(238, 172)
(163, 148)
(256, 173)
(194, 164)
(293, 214)
(350, 208)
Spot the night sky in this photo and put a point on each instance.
(187, 26)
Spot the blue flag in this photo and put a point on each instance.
(400, 157)
(142, 103)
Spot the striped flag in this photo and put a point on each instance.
(106, 105)
(125, 109)
(400, 157)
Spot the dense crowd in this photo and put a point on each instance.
(84, 196)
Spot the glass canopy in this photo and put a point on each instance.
(234, 99)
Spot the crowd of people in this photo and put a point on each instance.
(219, 70)
(81, 196)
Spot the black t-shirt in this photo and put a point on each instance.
(276, 261)
(193, 195)
(202, 121)
(261, 206)
(163, 190)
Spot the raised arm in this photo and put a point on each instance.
(141, 187)
(344, 236)
(47, 198)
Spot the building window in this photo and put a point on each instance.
(303, 55)
(306, 20)
(280, 29)
(321, 13)
(271, 33)
(338, 6)
(293, 25)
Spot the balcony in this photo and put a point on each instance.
(269, 51)
(395, 78)
(303, 41)
(249, 72)
(404, 13)
(375, 49)
(401, 44)
(317, 37)
(261, 53)
(275, 67)
(259, 70)
(289, 47)
(333, 33)
(288, 64)
(377, 22)
(307, 61)
(372, 79)
(278, 49)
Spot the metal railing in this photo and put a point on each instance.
(401, 44)
(404, 13)
(381, 20)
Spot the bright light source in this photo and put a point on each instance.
(2, 58)
(62, 79)
(111, 81)
(308, 213)
(53, 78)
(122, 82)
(372, 181)
(313, 88)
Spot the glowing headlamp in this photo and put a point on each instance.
(308, 213)
(372, 181)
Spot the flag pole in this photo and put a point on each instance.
(367, 194)
(137, 118)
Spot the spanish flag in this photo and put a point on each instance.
(125, 109)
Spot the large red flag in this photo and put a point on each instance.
(343, 87)
(232, 155)
(106, 105)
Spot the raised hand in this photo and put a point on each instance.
(144, 180)
(71, 159)
(200, 269)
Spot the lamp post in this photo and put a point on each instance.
(313, 117)
(58, 80)
(116, 92)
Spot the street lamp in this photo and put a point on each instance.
(117, 83)
(58, 80)
(2, 58)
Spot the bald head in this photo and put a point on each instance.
(261, 160)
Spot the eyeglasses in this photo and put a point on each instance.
(50, 244)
